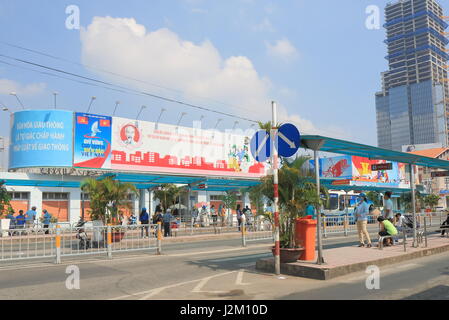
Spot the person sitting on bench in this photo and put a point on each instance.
(387, 229)
(445, 226)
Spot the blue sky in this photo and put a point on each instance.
(315, 58)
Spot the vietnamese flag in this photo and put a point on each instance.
(105, 123)
(82, 120)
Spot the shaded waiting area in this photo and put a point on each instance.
(326, 144)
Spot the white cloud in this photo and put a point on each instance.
(123, 46)
(7, 86)
(282, 49)
(264, 26)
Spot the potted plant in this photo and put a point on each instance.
(296, 191)
(107, 196)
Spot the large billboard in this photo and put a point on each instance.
(357, 171)
(41, 138)
(92, 144)
(155, 147)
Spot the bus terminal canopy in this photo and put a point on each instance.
(325, 144)
(143, 181)
(320, 143)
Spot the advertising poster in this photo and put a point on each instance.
(92, 146)
(156, 147)
(336, 167)
(362, 173)
(41, 138)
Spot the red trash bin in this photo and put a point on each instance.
(305, 232)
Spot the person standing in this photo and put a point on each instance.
(361, 216)
(12, 222)
(167, 220)
(310, 211)
(388, 206)
(20, 220)
(239, 215)
(214, 215)
(144, 220)
(46, 220)
(30, 217)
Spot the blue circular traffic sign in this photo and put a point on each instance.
(288, 140)
(261, 146)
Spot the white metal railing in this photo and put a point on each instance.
(347, 224)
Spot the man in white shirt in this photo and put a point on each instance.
(388, 206)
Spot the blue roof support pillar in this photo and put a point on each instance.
(316, 145)
(412, 184)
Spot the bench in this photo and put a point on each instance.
(419, 237)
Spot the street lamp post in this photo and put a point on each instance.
(55, 94)
(141, 109)
(15, 95)
(90, 104)
(115, 109)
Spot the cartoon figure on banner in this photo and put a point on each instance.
(130, 135)
(239, 159)
(336, 170)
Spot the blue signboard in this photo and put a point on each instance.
(261, 146)
(288, 140)
(41, 138)
(92, 141)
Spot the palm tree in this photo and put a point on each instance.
(5, 205)
(296, 191)
(107, 196)
(167, 194)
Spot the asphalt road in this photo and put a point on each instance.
(215, 270)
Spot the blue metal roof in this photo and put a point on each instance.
(356, 149)
(41, 183)
(144, 181)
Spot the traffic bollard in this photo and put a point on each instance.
(345, 225)
(109, 241)
(159, 238)
(425, 232)
(58, 244)
(243, 236)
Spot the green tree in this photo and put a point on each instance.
(375, 197)
(229, 200)
(167, 194)
(296, 191)
(107, 196)
(406, 200)
(431, 201)
(5, 200)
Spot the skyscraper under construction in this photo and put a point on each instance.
(413, 106)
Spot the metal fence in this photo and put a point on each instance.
(347, 224)
(59, 242)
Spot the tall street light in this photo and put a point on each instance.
(180, 118)
(55, 94)
(141, 109)
(90, 104)
(115, 109)
(15, 95)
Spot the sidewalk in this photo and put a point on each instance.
(345, 260)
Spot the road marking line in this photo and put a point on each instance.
(169, 286)
(241, 258)
(238, 280)
(152, 293)
(119, 259)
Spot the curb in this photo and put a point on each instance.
(316, 273)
